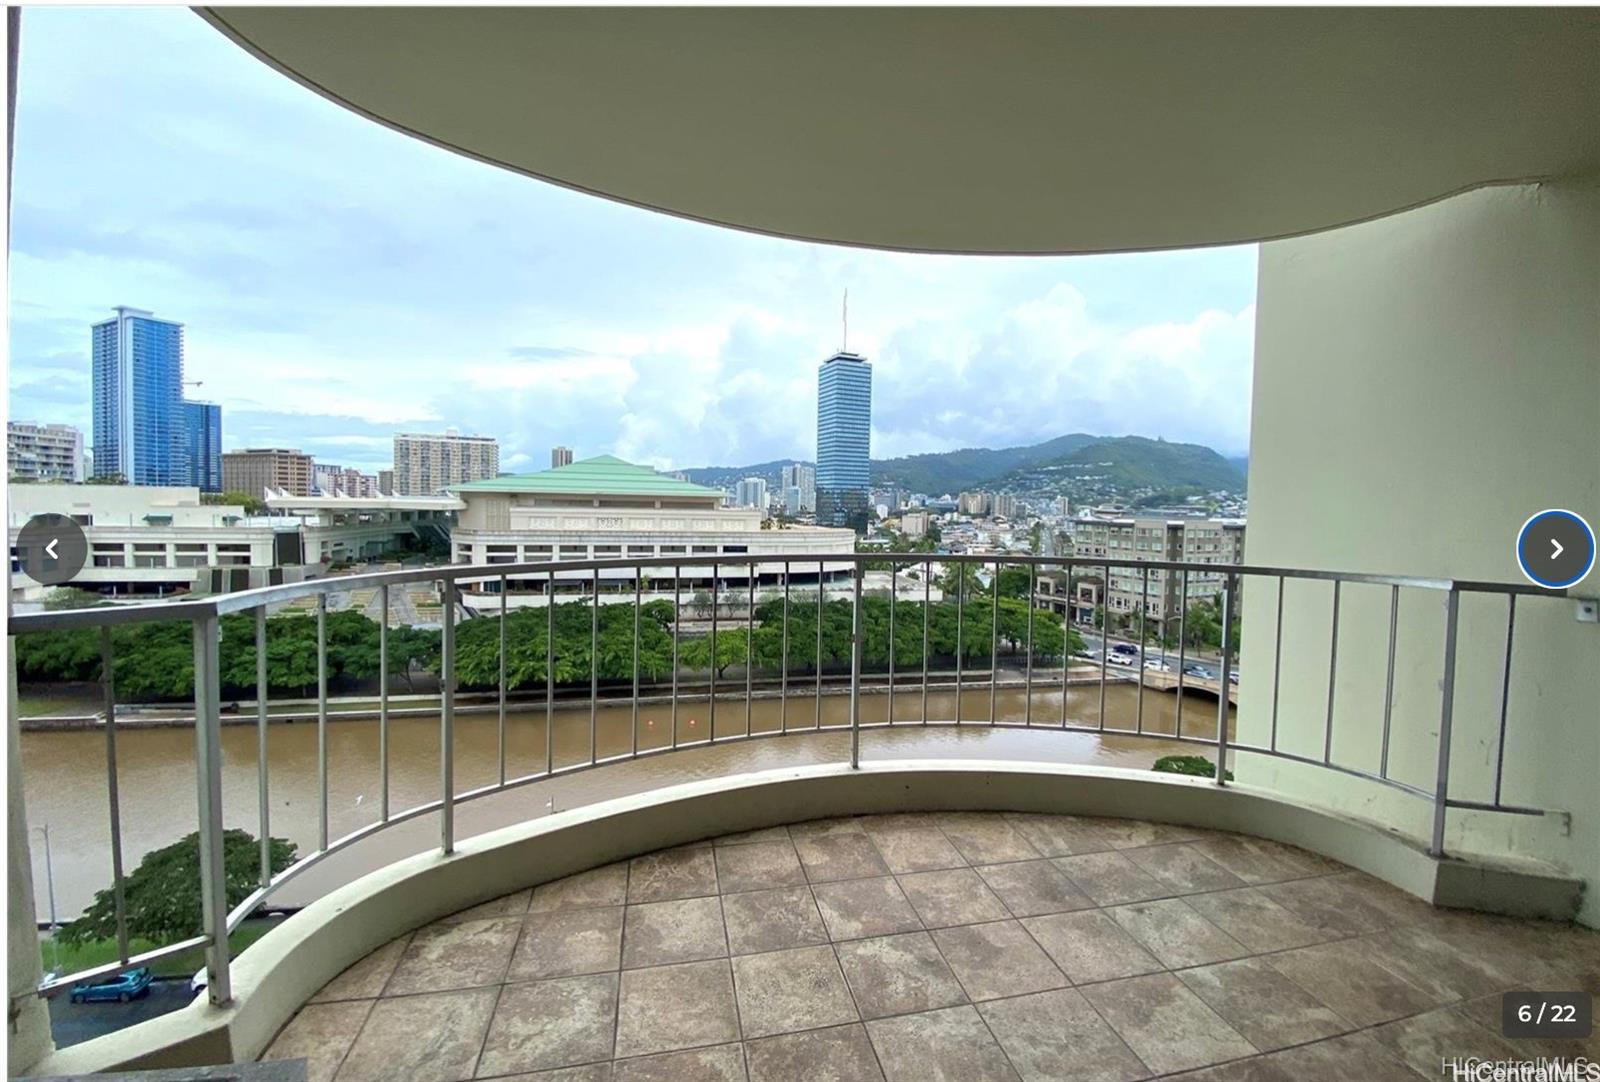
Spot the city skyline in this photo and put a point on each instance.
(327, 312)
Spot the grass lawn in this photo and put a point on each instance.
(80, 956)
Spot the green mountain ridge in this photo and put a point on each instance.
(1075, 463)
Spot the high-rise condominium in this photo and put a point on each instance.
(44, 452)
(144, 430)
(425, 464)
(560, 456)
(202, 422)
(803, 479)
(139, 423)
(752, 492)
(844, 440)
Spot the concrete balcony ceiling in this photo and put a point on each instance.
(952, 130)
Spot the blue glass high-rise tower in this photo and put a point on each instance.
(203, 444)
(844, 440)
(139, 418)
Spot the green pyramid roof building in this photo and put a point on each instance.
(603, 475)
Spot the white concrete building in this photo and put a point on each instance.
(44, 452)
(157, 540)
(604, 508)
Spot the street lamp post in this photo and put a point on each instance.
(50, 888)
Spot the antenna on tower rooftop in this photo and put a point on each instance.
(844, 341)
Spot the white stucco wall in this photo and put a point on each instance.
(1423, 384)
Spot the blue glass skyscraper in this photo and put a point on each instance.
(139, 419)
(203, 444)
(844, 440)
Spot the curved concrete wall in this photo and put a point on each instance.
(1424, 384)
(280, 972)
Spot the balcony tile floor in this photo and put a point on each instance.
(944, 946)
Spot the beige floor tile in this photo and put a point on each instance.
(1057, 1035)
(555, 1023)
(950, 1045)
(322, 1034)
(1110, 878)
(1354, 1055)
(1090, 946)
(507, 905)
(679, 1006)
(1344, 976)
(365, 979)
(672, 874)
(952, 896)
(915, 849)
(1183, 867)
(1175, 933)
(1166, 1025)
(724, 1063)
(660, 933)
(1032, 888)
(598, 886)
(986, 839)
(787, 990)
(1424, 1041)
(998, 959)
(758, 866)
(838, 1054)
(898, 974)
(765, 920)
(1255, 920)
(567, 943)
(839, 855)
(427, 1038)
(1269, 1009)
(857, 908)
(462, 955)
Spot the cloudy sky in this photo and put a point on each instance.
(340, 282)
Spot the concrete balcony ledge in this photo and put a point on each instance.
(281, 972)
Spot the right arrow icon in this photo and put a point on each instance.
(1556, 555)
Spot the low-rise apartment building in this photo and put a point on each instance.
(1139, 539)
(256, 469)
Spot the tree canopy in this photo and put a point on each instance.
(162, 895)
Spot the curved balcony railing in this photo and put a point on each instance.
(545, 584)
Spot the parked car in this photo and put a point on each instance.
(121, 988)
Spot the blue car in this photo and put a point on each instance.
(123, 987)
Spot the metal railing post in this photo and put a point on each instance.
(208, 772)
(783, 689)
(262, 796)
(1441, 788)
(994, 640)
(856, 640)
(1027, 677)
(118, 897)
(383, 705)
(594, 670)
(322, 721)
(500, 730)
(638, 603)
(447, 723)
(550, 673)
(711, 705)
(1229, 587)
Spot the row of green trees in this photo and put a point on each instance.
(155, 661)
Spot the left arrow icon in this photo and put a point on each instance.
(50, 549)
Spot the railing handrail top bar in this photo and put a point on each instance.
(248, 600)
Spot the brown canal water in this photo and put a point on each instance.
(65, 772)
